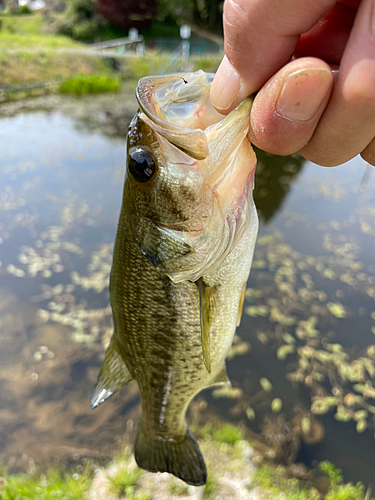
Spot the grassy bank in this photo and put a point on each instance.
(33, 56)
(18, 31)
(27, 24)
(15, 41)
(27, 67)
(90, 84)
(231, 472)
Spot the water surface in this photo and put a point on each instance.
(312, 286)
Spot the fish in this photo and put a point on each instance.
(182, 257)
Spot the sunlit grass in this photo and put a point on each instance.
(209, 64)
(90, 84)
(18, 31)
(30, 24)
(228, 434)
(123, 482)
(275, 481)
(15, 41)
(25, 67)
(45, 487)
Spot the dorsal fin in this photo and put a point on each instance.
(113, 375)
(207, 306)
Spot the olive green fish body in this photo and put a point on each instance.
(182, 255)
(157, 327)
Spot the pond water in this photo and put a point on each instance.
(306, 336)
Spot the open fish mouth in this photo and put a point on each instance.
(178, 108)
(192, 133)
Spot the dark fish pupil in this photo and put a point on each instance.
(141, 165)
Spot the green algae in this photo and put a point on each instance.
(53, 484)
(274, 483)
(228, 434)
(224, 445)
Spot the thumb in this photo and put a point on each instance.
(260, 37)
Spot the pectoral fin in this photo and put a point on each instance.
(207, 304)
(157, 244)
(240, 305)
(113, 375)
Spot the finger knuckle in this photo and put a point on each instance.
(368, 154)
(359, 89)
(321, 156)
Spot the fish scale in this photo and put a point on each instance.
(182, 255)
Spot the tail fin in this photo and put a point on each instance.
(181, 457)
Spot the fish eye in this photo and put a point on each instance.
(141, 164)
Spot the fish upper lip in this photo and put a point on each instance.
(193, 141)
(174, 133)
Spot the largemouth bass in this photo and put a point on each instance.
(182, 257)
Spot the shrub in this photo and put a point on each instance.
(90, 84)
(80, 21)
(23, 9)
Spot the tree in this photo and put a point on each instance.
(127, 14)
(206, 14)
(80, 21)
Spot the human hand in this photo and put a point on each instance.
(309, 103)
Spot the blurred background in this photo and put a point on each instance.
(303, 360)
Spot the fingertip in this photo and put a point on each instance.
(225, 86)
(287, 109)
(302, 93)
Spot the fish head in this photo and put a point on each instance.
(189, 175)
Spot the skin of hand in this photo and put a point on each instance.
(314, 63)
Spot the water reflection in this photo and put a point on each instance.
(312, 287)
(272, 184)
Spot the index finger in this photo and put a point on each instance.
(260, 37)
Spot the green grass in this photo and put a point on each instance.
(124, 481)
(25, 31)
(275, 481)
(53, 485)
(207, 64)
(211, 487)
(178, 489)
(140, 67)
(30, 24)
(228, 434)
(90, 84)
(26, 67)
(44, 65)
(16, 41)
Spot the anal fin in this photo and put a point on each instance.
(207, 305)
(241, 303)
(221, 378)
(113, 375)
